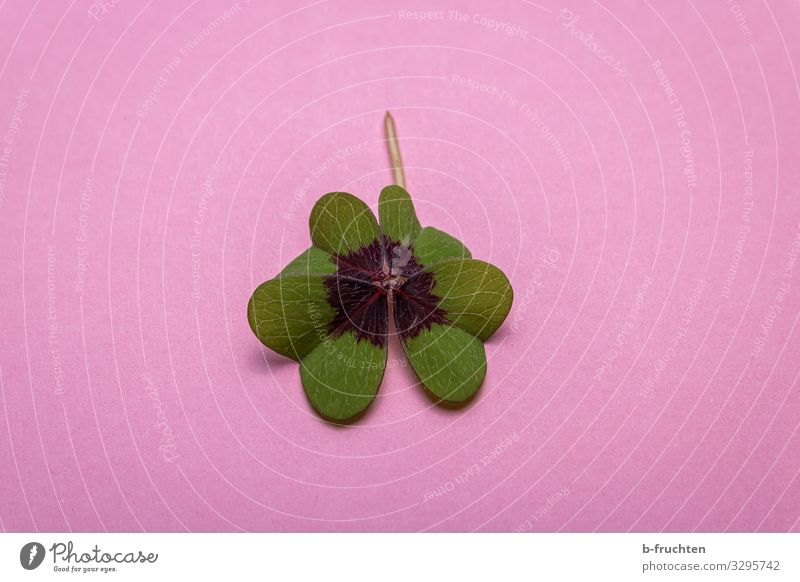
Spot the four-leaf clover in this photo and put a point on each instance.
(330, 308)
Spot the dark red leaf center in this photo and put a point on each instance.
(368, 280)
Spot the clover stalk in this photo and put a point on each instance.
(394, 150)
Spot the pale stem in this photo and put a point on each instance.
(394, 151)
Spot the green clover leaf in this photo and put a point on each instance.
(329, 309)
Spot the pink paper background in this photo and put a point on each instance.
(160, 160)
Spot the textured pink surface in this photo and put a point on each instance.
(639, 187)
